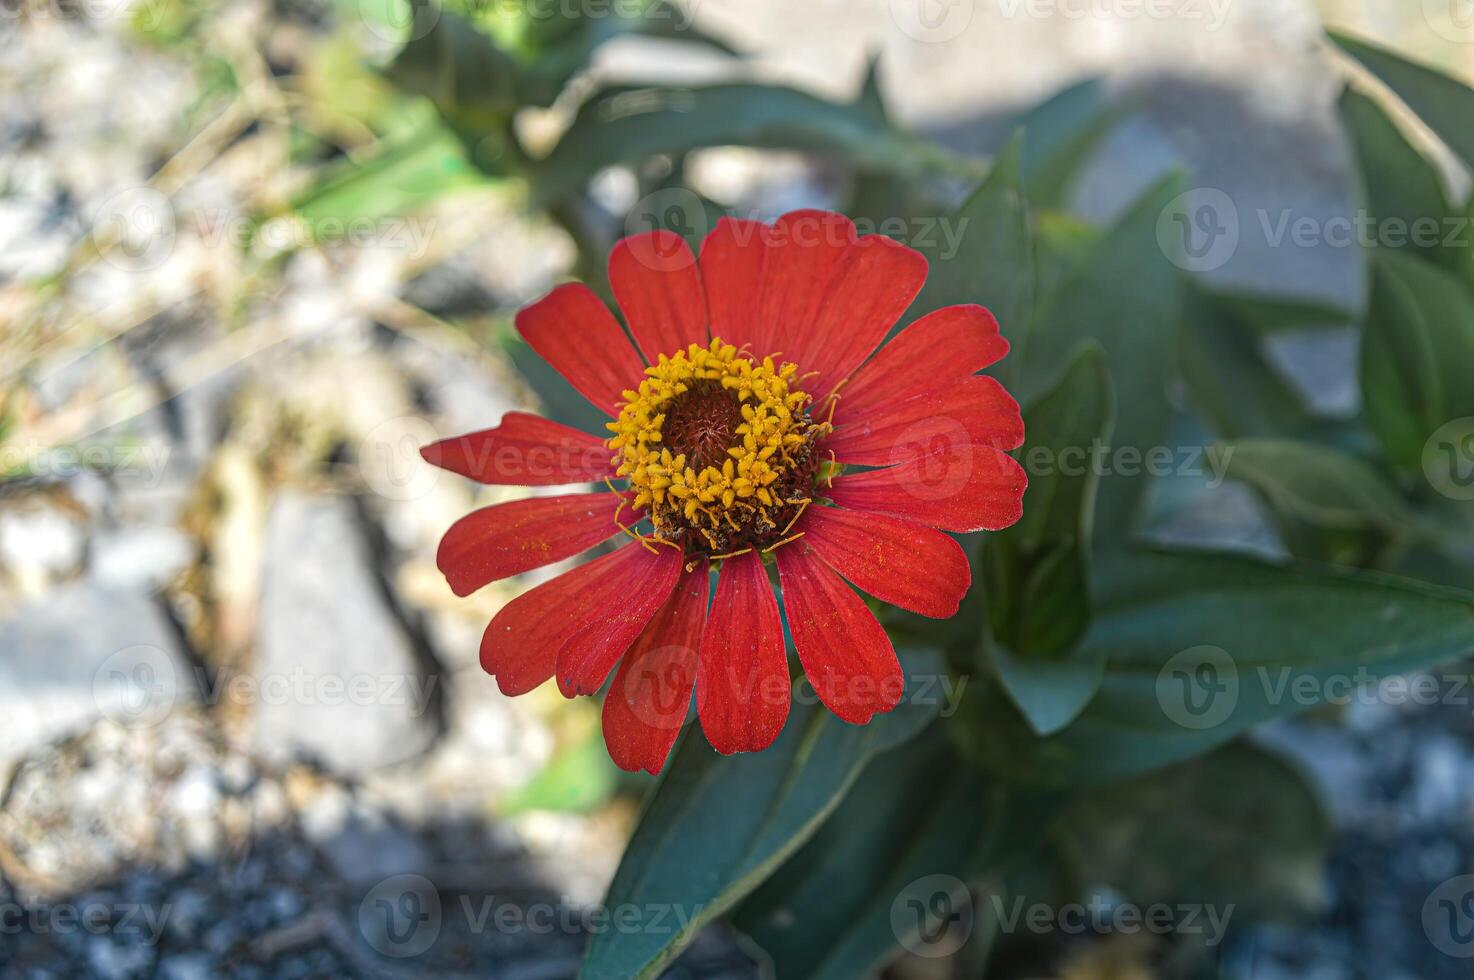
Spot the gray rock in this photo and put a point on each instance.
(337, 676)
(83, 653)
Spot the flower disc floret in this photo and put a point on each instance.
(717, 448)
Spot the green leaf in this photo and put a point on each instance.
(993, 261)
(1200, 647)
(1229, 376)
(1060, 135)
(1062, 246)
(1319, 485)
(580, 779)
(1237, 828)
(554, 49)
(625, 125)
(1445, 104)
(1398, 185)
(1127, 296)
(1038, 569)
(471, 80)
(1050, 692)
(1417, 346)
(1269, 313)
(915, 813)
(715, 828)
(395, 178)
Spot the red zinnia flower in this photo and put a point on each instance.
(758, 393)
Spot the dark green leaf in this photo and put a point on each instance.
(1050, 692)
(1200, 647)
(1060, 135)
(993, 261)
(1444, 104)
(1321, 486)
(1038, 570)
(1128, 297)
(1417, 347)
(914, 813)
(715, 828)
(626, 125)
(1267, 314)
(471, 80)
(1235, 829)
(1400, 188)
(1229, 376)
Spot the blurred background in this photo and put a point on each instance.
(254, 253)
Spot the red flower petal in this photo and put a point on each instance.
(579, 337)
(525, 451)
(733, 265)
(659, 290)
(951, 343)
(651, 694)
(509, 539)
(966, 488)
(845, 652)
(808, 255)
(898, 561)
(742, 686)
(973, 411)
(521, 644)
(879, 280)
(631, 597)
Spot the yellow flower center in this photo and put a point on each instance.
(718, 449)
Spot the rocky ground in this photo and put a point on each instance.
(244, 732)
